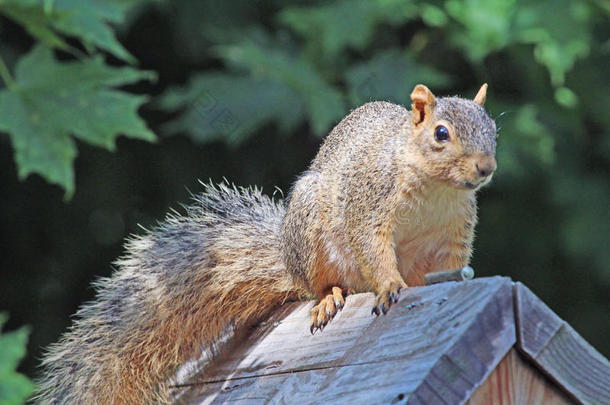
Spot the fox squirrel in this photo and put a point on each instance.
(389, 197)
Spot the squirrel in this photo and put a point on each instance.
(390, 196)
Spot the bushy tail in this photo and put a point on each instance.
(175, 292)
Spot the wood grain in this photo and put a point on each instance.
(558, 351)
(515, 382)
(437, 344)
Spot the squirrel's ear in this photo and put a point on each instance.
(423, 102)
(481, 95)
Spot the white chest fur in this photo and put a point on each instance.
(427, 223)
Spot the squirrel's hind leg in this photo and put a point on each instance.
(326, 309)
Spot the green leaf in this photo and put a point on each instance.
(86, 20)
(557, 48)
(484, 25)
(14, 387)
(197, 24)
(35, 20)
(226, 107)
(390, 75)
(433, 15)
(52, 101)
(323, 103)
(566, 97)
(334, 26)
(89, 21)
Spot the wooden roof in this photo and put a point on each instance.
(436, 345)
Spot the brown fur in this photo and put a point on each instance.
(381, 205)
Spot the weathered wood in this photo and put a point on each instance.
(515, 382)
(461, 274)
(437, 344)
(478, 349)
(557, 350)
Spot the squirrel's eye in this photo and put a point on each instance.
(441, 134)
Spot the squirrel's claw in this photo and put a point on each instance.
(338, 298)
(388, 296)
(380, 308)
(326, 309)
(394, 296)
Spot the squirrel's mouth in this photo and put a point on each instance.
(478, 184)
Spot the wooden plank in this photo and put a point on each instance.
(515, 382)
(437, 340)
(561, 353)
(474, 354)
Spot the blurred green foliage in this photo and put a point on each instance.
(255, 84)
(14, 387)
(50, 101)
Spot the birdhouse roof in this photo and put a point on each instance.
(438, 344)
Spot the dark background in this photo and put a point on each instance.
(544, 220)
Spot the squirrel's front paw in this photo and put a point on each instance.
(387, 296)
(326, 309)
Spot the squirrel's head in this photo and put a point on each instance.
(455, 137)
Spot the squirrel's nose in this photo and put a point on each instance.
(485, 166)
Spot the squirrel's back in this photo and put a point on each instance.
(366, 125)
(177, 290)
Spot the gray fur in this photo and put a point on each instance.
(176, 259)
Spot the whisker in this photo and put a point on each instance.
(502, 114)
